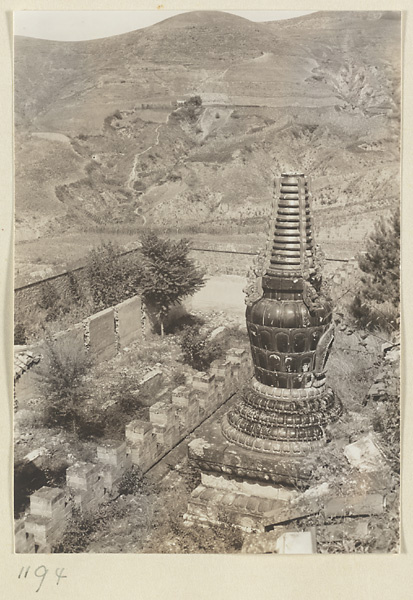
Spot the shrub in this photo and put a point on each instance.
(62, 381)
(197, 350)
(19, 334)
(178, 379)
(112, 278)
(376, 304)
(124, 391)
(77, 535)
(132, 482)
(75, 289)
(194, 101)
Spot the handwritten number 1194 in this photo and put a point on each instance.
(41, 573)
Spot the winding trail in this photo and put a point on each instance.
(133, 174)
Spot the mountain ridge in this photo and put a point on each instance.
(101, 139)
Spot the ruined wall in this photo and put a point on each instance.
(171, 419)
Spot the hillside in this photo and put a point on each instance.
(101, 142)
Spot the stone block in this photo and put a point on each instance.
(167, 437)
(112, 452)
(378, 391)
(129, 321)
(138, 431)
(162, 414)
(48, 502)
(45, 531)
(370, 504)
(212, 505)
(152, 382)
(102, 335)
(262, 543)
(90, 498)
(256, 490)
(82, 476)
(296, 542)
(182, 397)
(357, 529)
(364, 454)
(23, 541)
(203, 382)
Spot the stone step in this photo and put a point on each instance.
(247, 512)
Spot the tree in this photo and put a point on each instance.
(376, 304)
(168, 274)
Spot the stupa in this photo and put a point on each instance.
(291, 332)
(261, 450)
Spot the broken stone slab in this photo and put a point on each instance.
(256, 489)
(216, 332)
(151, 382)
(386, 347)
(209, 505)
(287, 512)
(34, 454)
(346, 506)
(393, 355)
(364, 455)
(296, 542)
(356, 529)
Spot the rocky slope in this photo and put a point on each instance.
(101, 142)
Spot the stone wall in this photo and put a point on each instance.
(87, 485)
(103, 334)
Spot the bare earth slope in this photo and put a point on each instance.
(100, 140)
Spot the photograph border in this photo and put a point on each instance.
(206, 576)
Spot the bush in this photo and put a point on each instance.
(75, 289)
(376, 304)
(197, 350)
(112, 278)
(178, 379)
(19, 334)
(51, 301)
(62, 382)
(124, 391)
(132, 482)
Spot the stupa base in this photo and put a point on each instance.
(213, 453)
(279, 425)
(249, 490)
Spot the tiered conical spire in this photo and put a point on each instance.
(292, 246)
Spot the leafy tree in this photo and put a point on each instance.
(376, 304)
(168, 274)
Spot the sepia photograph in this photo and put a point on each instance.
(207, 282)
